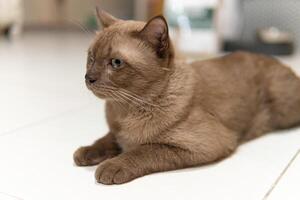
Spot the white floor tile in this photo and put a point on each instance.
(288, 186)
(41, 76)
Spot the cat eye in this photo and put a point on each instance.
(116, 63)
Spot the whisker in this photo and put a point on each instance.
(117, 100)
(130, 100)
(126, 98)
(80, 25)
(129, 97)
(138, 98)
(111, 91)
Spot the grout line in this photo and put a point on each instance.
(281, 175)
(10, 195)
(44, 120)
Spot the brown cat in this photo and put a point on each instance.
(166, 115)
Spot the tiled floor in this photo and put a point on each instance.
(46, 113)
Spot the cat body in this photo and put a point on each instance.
(164, 114)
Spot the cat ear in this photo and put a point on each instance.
(157, 34)
(105, 18)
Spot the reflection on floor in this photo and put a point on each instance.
(46, 113)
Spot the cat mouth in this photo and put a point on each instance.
(102, 91)
(97, 92)
(100, 94)
(88, 85)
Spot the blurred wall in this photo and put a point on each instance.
(65, 12)
(283, 14)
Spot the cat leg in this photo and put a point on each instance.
(151, 158)
(101, 150)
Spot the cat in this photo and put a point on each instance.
(164, 114)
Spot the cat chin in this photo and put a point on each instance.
(100, 95)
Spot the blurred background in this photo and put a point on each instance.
(198, 28)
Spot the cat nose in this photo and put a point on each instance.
(90, 79)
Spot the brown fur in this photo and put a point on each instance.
(166, 115)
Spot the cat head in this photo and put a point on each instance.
(129, 57)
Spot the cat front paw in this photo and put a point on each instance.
(113, 172)
(88, 156)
